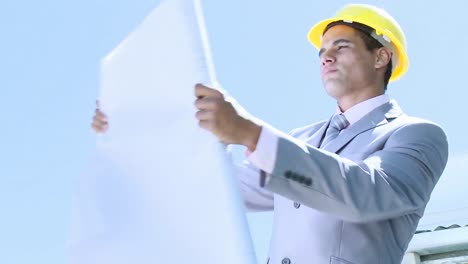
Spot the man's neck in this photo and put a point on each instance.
(348, 101)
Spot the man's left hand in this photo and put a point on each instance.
(225, 118)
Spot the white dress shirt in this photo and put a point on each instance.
(264, 156)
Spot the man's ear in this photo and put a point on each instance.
(382, 57)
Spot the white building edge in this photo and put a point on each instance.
(437, 247)
(442, 235)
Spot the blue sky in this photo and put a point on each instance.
(50, 54)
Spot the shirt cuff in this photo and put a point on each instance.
(264, 156)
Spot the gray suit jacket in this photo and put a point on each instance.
(357, 202)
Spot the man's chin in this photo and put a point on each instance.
(333, 86)
(331, 83)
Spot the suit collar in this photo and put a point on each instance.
(358, 111)
(377, 117)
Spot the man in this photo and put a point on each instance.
(350, 189)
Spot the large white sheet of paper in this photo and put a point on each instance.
(159, 189)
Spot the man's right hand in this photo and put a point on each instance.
(100, 123)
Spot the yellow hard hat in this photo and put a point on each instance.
(387, 31)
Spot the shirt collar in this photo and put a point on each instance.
(363, 108)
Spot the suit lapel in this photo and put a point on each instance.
(317, 137)
(377, 117)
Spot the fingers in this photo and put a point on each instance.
(99, 128)
(98, 114)
(208, 103)
(204, 115)
(205, 91)
(205, 124)
(100, 123)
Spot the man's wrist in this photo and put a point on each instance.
(253, 131)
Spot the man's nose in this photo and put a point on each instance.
(327, 57)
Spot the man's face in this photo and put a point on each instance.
(347, 67)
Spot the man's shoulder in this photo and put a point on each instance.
(418, 128)
(412, 121)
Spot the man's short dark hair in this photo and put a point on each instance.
(370, 42)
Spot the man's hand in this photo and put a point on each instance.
(225, 118)
(99, 124)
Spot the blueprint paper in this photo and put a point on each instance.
(159, 188)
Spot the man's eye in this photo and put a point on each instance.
(341, 47)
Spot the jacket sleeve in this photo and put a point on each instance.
(256, 198)
(394, 181)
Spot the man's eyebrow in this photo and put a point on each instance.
(336, 42)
